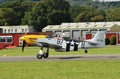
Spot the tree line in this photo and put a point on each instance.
(52, 12)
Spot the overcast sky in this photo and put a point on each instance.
(108, 0)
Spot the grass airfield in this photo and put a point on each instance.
(32, 51)
(61, 70)
(86, 69)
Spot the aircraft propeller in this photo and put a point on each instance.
(24, 44)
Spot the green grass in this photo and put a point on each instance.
(32, 51)
(80, 69)
(87, 69)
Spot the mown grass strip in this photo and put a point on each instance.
(34, 50)
(87, 69)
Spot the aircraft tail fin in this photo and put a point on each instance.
(99, 38)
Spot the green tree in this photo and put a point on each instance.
(113, 40)
(114, 15)
(61, 5)
(16, 6)
(37, 17)
(75, 11)
(47, 12)
(99, 15)
(19, 7)
(85, 16)
(97, 18)
(91, 15)
(58, 11)
(57, 17)
(7, 16)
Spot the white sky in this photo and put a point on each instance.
(108, 0)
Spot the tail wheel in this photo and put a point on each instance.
(39, 56)
(86, 51)
(45, 55)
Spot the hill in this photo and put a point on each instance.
(95, 4)
(3, 1)
(92, 3)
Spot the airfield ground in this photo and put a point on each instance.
(61, 69)
(32, 51)
(86, 69)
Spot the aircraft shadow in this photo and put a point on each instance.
(72, 57)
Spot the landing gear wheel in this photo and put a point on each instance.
(39, 56)
(86, 51)
(45, 55)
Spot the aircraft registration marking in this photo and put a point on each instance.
(59, 41)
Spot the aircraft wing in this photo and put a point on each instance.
(48, 42)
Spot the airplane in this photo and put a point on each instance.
(60, 44)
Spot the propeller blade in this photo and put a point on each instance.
(24, 43)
